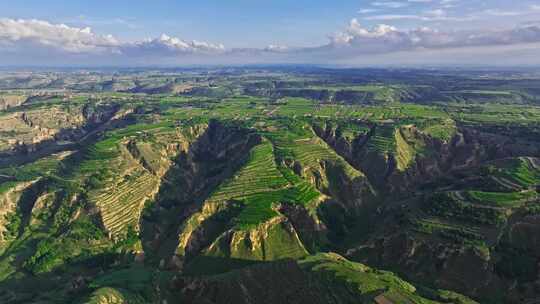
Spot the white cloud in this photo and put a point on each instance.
(20, 34)
(449, 3)
(368, 11)
(30, 41)
(425, 17)
(388, 17)
(166, 45)
(398, 4)
(276, 48)
(390, 4)
(430, 15)
(436, 13)
(385, 38)
(503, 13)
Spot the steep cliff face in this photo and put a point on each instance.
(98, 114)
(9, 199)
(311, 230)
(398, 158)
(273, 240)
(382, 152)
(216, 152)
(29, 130)
(338, 181)
(11, 101)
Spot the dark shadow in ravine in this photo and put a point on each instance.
(210, 160)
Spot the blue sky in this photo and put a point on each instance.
(312, 30)
(240, 23)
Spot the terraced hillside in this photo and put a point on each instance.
(349, 187)
(260, 174)
(121, 206)
(250, 201)
(475, 220)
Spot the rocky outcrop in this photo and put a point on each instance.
(11, 101)
(273, 240)
(310, 229)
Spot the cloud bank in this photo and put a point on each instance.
(38, 42)
(18, 35)
(385, 38)
(171, 46)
